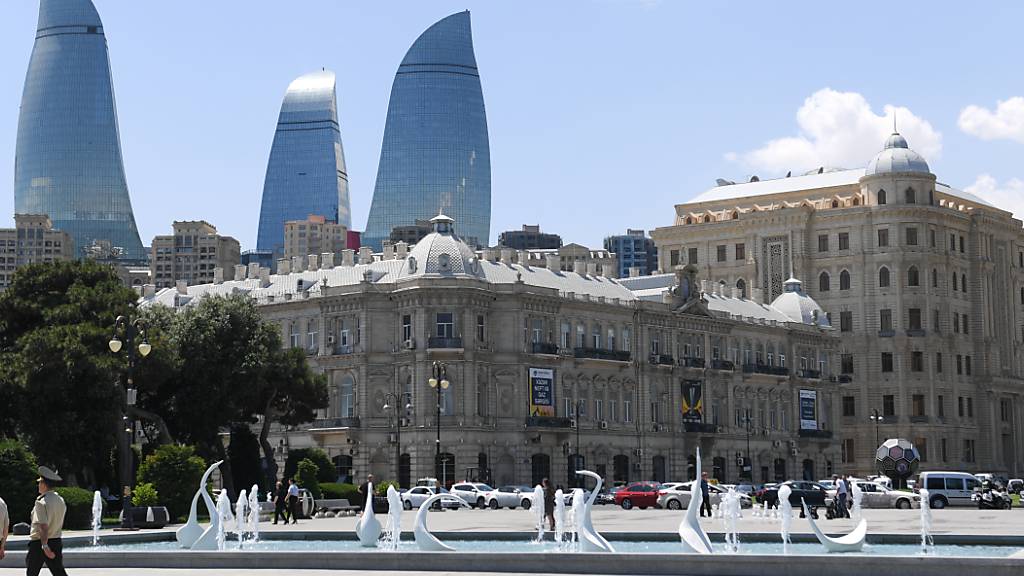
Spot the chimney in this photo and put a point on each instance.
(634, 271)
(327, 260)
(506, 255)
(253, 271)
(401, 250)
(239, 272)
(264, 277)
(297, 264)
(704, 285)
(148, 290)
(389, 251)
(579, 267)
(524, 258)
(365, 255)
(313, 260)
(218, 275)
(553, 262)
(181, 286)
(591, 268)
(284, 266)
(758, 295)
(348, 257)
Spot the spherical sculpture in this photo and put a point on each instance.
(897, 459)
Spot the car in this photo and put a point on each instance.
(417, 495)
(643, 495)
(474, 493)
(1015, 486)
(802, 490)
(879, 496)
(748, 489)
(509, 497)
(679, 497)
(607, 496)
(949, 488)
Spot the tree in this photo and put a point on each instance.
(306, 477)
(17, 479)
(175, 472)
(324, 466)
(244, 454)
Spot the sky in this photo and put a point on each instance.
(603, 114)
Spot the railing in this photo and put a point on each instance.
(766, 369)
(343, 349)
(723, 365)
(920, 419)
(842, 378)
(437, 342)
(350, 422)
(543, 348)
(602, 354)
(702, 427)
(809, 374)
(815, 433)
(548, 422)
(692, 362)
(915, 332)
(886, 333)
(662, 359)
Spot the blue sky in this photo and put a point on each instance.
(603, 114)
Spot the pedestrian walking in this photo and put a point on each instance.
(549, 502)
(293, 501)
(841, 510)
(5, 522)
(705, 495)
(280, 502)
(45, 545)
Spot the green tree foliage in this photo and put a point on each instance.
(325, 468)
(79, 507)
(306, 477)
(145, 495)
(338, 490)
(381, 489)
(17, 479)
(244, 454)
(59, 382)
(175, 472)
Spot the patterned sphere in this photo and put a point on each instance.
(897, 458)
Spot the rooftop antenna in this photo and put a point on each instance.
(894, 131)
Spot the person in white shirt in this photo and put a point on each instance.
(293, 500)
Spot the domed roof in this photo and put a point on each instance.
(798, 306)
(441, 252)
(897, 157)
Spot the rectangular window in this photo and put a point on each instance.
(936, 324)
(627, 411)
(968, 450)
(964, 324)
(885, 320)
(627, 341)
(846, 364)
(673, 258)
(849, 406)
(931, 236)
(911, 236)
(445, 325)
(598, 409)
(959, 364)
(967, 365)
(481, 333)
(970, 407)
(883, 237)
(961, 244)
(692, 256)
(565, 335)
(917, 405)
(952, 242)
(938, 362)
(888, 405)
(960, 406)
(720, 252)
(844, 240)
(915, 318)
(741, 251)
(849, 455)
(944, 450)
(886, 361)
(922, 448)
(917, 361)
(956, 322)
(822, 242)
(312, 333)
(581, 336)
(613, 411)
(940, 406)
(610, 341)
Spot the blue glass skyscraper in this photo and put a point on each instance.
(306, 171)
(68, 159)
(435, 154)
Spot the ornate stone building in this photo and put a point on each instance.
(925, 283)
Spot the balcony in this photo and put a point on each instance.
(692, 362)
(700, 427)
(342, 349)
(548, 422)
(543, 348)
(809, 374)
(436, 343)
(915, 332)
(718, 364)
(662, 359)
(842, 378)
(824, 434)
(321, 423)
(923, 419)
(886, 333)
(601, 354)
(765, 369)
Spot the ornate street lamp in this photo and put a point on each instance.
(392, 402)
(131, 330)
(439, 381)
(877, 419)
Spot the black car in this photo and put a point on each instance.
(803, 490)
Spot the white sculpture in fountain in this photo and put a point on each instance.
(692, 535)
(537, 507)
(858, 500)
(97, 516)
(731, 503)
(852, 542)
(254, 513)
(241, 516)
(426, 541)
(785, 511)
(191, 535)
(393, 531)
(368, 527)
(590, 539)
(224, 517)
(559, 517)
(927, 542)
(578, 511)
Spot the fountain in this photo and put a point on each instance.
(731, 504)
(97, 516)
(852, 542)
(192, 535)
(240, 516)
(858, 498)
(785, 511)
(537, 507)
(579, 508)
(590, 539)
(426, 541)
(393, 532)
(254, 513)
(224, 517)
(691, 533)
(927, 542)
(559, 517)
(368, 527)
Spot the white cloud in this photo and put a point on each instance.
(1006, 123)
(1008, 196)
(839, 129)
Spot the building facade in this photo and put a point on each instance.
(68, 161)
(546, 365)
(435, 155)
(306, 172)
(638, 256)
(925, 283)
(410, 233)
(314, 235)
(529, 238)
(192, 254)
(32, 240)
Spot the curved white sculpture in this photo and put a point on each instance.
(393, 532)
(852, 542)
(787, 515)
(188, 534)
(590, 539)
(368, 527)
(578, 510)
(424, 539)
(692, 535)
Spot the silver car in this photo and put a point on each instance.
(510, 497)
(474, 493)
(679, 497)
(879, 496)
(417, 495)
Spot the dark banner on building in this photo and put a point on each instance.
(542, 392)
(692, 400)
(808, 410)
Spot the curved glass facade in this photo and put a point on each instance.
(306, 171)
(68, 161)
(435, 156)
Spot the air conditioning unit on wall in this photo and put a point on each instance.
(410, 344)
(604, 425)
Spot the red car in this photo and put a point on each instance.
(639, 494)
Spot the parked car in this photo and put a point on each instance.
(474, 493)
(879, 496)
(607, 496)
(679, 497)
(748, 489)
(949, 488)
(509, 497)
(640, 494)
(417, 495)
(1015, 486)
(802, 490)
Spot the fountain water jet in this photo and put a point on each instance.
(224, 516)
(785, 511)
(559, 517)
(192, 535)
(590, 539)
(426, 541)
(254, 513)
(927, 542)
(858, 499)
(240, 516)
(368, 527)
(393, 531)
(852, 542)
(537, 507)
(731, 503)
(97, 516)
(579, 509)
(692, 535)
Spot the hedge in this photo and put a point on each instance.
(79, 503)
(338, 490)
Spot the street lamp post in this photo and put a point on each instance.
(131, 329)
(877, 419)
(576, 464)
(392, 401)
(439, 381)
(746, 419)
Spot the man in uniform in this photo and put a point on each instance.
(293, 501)
(5, 521)
(45, 545)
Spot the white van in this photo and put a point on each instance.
(949, 488)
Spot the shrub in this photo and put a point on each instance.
(145, 495)
(381, 489)
(340, 490)
(325, 468)
(175, 472)
(18, 479)
(306, 477)
(79, 512)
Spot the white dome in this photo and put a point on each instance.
(442, 253)
(798, 306)
(897, 157)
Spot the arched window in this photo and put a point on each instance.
(405, 471)
(620, 468)
(707, 219)
(835, 203)
(824, 282)
(742, 287)
(735, 215)
(856, 201)
(844, 280)
(910, 197)
(883, 277)
(540, 468)
(963, 282)
(913, 278)
(689, 220)
(658, 469)
(935, 278)
(881, 197)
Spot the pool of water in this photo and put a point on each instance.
(550, 547)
